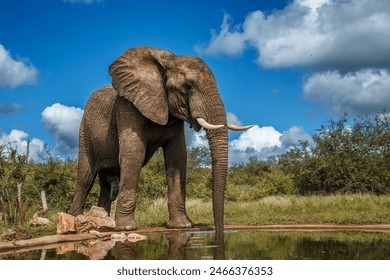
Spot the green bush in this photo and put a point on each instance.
(257, 179)
(153, 183)
(346, 158)
(57, 178)
(199, 180)
(14, 168)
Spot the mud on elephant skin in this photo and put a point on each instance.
(153, 92)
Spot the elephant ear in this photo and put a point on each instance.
(139, 76)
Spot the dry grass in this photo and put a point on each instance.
(339, 209)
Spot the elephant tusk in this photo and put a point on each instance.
(203, 123)
(238, 127)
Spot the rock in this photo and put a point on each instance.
(7, 234)
(96, 219)
(98, 212)
(16, 232)
(95, 232)
(132, 237)
(39, 221)
(81, 223)
(22, 233)
(135, 237)
(66, 223)
(65, 247)
(118, 237)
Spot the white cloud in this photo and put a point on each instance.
(63, 122)
(88, 2)
(14, 73)
(227, 41)
(19, 139)
(293, 137)
(233, 119)
(346, 42)
(362, 92)
(263, 142)
(329, 34)
(257, 139)
(195, 139)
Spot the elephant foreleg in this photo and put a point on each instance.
(132, 156)
(175, 153)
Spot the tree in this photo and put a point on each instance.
(58, 179)
(346, 158)
(14, 168)
(198, 157)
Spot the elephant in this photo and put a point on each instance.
(153, 92)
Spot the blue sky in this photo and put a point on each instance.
(285, 66)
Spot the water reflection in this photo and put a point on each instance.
(219, 250)
(177, 244)
(239, 245)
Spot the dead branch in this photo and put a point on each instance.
(44, 210)
(38, 218)
(20, 203)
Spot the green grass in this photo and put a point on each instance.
(338, 209)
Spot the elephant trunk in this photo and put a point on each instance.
(213, 119)
(218, 141)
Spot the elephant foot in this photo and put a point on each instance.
(125, 225)
(125, 228)
(180, 222)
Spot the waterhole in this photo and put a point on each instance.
(232, 245)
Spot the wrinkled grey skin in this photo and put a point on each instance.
(153, 92)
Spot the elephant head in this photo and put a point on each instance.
(160, 84)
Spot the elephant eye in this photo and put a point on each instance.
(188, 86)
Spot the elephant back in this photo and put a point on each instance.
(100, 106)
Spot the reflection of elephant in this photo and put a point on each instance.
(177, 245)
(125, 250)
(152, 93)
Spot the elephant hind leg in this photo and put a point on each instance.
(85, 179)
